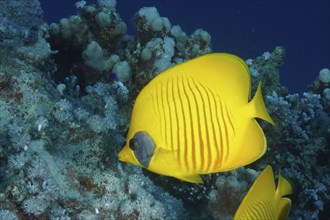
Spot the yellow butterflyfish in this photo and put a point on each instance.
(196, 118)
(264, 201)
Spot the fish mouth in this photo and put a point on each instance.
(120, 156)
(123, 154)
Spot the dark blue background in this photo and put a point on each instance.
(245, 28)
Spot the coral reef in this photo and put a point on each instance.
(67, 91)
(19, 27)
(299, 143)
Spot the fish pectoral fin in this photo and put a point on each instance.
(165, 161)
(192, 178)
(165, 155)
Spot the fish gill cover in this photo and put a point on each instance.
(63, 120)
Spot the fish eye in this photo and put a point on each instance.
(133, 144)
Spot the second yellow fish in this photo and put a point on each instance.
(196, 118)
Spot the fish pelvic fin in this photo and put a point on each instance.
(192, 178)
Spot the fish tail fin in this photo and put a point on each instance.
(260, 110)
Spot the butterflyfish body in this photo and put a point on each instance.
(264, 200)
(196, 118)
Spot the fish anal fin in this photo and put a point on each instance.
(250, 146)
(266, 178)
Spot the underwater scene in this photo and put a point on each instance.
(110, 111)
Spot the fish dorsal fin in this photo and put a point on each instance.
(284, 187)
(226, 74)
(264, 186)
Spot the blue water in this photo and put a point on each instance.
(245, 28)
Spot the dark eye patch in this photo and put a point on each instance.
(143, 147)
